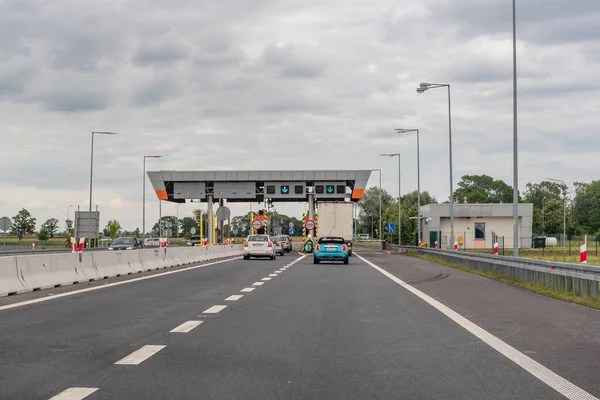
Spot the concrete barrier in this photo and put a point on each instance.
(86, 267)
(49, 270)
(153, 259)
(173, 257)
(116, 263)
(10, 282)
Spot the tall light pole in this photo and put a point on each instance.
(399, 194)
(380, 195)
(91, 177)
(515, 142)
(564, 209)
(144, 197)
(421, 89)
(402, 131)
(68, 208)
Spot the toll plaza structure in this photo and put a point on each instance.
(259, 186)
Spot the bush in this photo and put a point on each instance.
(44, 235)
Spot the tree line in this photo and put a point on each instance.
(580, 203)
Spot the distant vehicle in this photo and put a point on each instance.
(364, 236)
(259, 246)
(331, 249)
(151, 242)
(125, 243)
(278, 242)
(194, 240)
(287, 243)
(336, 219)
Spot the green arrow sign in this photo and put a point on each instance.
(285, 189)
(330, 188)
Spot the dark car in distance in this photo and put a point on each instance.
(125, 243)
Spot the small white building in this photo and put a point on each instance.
(476, 226)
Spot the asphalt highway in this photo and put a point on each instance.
(288, 329)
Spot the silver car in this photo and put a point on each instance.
(278, 242)
(259, 246)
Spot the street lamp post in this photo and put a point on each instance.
(91, 176)
(421, 89)
(564, 210)
(401, 131)
(68, 208)
(380, 195)
(144, 197)
(399, 194)
(515, 142)
(543, 212)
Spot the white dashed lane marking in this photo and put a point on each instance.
(140, 355)
(234, 297)
(258, 283)
(186, 326)
(272, 274)
(247, 290)
(276, 272)
(214, 309)
(74, 393)
(266, 279)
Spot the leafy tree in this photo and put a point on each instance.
(136, 233)
(187, 223)
(482, 189)
(174, 222)
(113, 228)
(369, 207)
(43, 235)
(69, 225)
(22, 223)
(409, 210)
(586, 208)
(544, 195)
(51, 226)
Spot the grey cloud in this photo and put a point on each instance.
(165, 52)
(155, 93)
(74, 101)
(294, 63)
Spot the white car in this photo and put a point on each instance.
(259, 246)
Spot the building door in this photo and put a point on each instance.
(479, 235)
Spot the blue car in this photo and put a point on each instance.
(331, 249)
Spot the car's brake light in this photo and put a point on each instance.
(343, 247)
(245, 244)
(270, 244)
(318, 247)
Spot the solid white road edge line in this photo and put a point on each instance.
(74, 393)
(550, 378)
(247, 290)
(234, 297)
(186, 326)
(57, 296)
(140, 355)
(214, 309)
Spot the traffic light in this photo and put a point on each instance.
(376, 231)
(285, 189)
(330, 189)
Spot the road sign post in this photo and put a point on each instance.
(310, 225)
(5, 224)
(391, 228)
(257, 224)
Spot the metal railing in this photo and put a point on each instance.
(580, 279)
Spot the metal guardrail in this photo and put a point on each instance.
(579, 279)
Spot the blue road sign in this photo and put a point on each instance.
(391, 228)
(291, 230)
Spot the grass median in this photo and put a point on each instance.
(530, 286)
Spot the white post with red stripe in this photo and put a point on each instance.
(73, 245)
(81, 244)
(583, 251)
(436, 244)
(496, 248)
(455, 245)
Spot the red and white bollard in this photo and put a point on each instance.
(32, 246)
(495, 248)
(583, 252)
(81, 244)
(73, 245)
(436, 244)
(163, 243)
(455, 245)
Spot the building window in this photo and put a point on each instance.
(479, 230)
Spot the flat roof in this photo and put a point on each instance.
(256, 185)
(476, 210)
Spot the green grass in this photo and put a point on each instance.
(557, 254)
(532, 287)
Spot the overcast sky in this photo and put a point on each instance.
(286, 84)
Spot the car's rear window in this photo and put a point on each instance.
(258, 238)
(335, 240)
(194, 237)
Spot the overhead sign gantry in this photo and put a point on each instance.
(259, 186)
